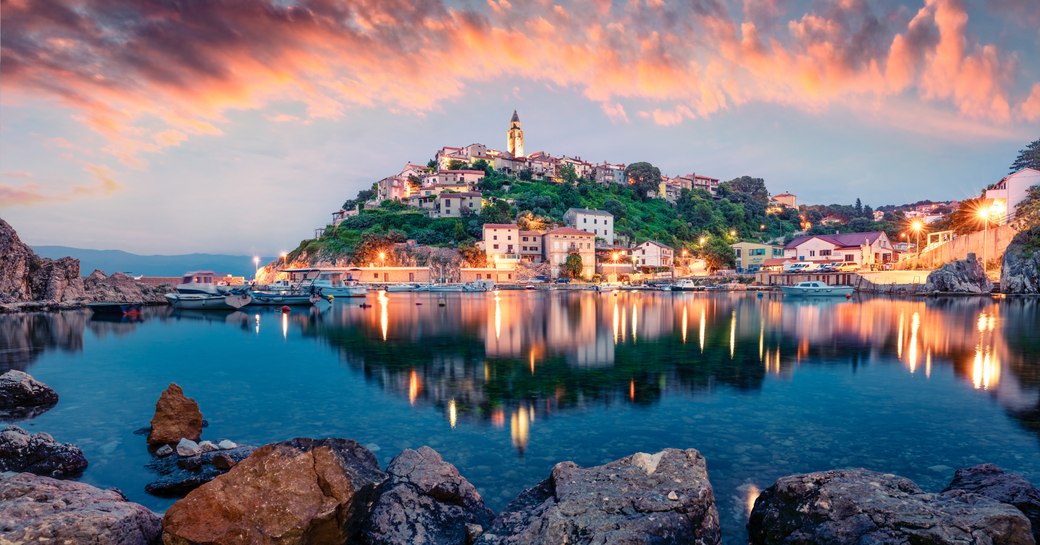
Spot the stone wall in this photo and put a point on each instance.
(996, 240)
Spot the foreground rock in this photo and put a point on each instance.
(992, 482)
(22, 396)
(303, 491)
(43, 510)
(1020, 271)
(859, 506)
(663, 498)
(964, 276)
(424, 501)
(178, 476)
(39, 453)
(176, 417)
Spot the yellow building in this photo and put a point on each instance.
(751, 255)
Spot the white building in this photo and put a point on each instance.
(1011, 190)
(501, 243)
(598, 222)
(653, 254)
(863, 249)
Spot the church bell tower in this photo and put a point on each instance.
(515, 137)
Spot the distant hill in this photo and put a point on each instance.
(112, 261)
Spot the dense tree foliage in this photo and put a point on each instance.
(572, 266)
(1029, 157)
(1027, 214)
(718, 254)
(644, 177)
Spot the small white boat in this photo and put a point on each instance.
(816, 289)
(278, 298)
(603, 288)
(401, 288)
(203, 301)
(201, 282)
(479, 285)
(686, 284)
(332, 283)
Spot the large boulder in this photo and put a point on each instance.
(22, 396)
(859, 506)
(39, 453)
(180, 475)
(176, 416)
(1011, 488)
(43, 510)
(424, 501)
(1020, 271)
(302, 491)
(964, 276)
(659, 499)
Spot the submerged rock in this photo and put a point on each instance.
(176, 417)
(178, 476)
(302, 491)
(861, 506)
(1020, 271)
(43, 510)
(39, 453)
(964, 276)
(22, 396)
(1011, 488)
(622, 502)
(424, 501)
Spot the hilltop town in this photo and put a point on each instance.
(475, 212)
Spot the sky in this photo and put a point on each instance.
(239, 126)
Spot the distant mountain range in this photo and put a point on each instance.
(112, 261)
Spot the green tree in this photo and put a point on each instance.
(456, 164)
(497, 212)
(1027, 213)
(718, 255)
(965, 219)
(568, 174)
(615, 207)
(746, 189)
(1027, 158)
(644, 177)
(432, 163)
(414, 183)
(572, 266)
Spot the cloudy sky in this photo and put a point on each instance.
(240, 125)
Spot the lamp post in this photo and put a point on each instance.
(917, 225)
(256, 266)
(984, 214)
(285, 256)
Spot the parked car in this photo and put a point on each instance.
(847, 266)
(796, 267)
(563, 280)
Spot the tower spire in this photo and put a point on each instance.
(515, 137)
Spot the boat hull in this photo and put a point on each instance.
(823, 291)
(281, 299)
(115, 309)
(199, 301)
(345, 291)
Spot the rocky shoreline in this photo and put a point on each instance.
(333, 491)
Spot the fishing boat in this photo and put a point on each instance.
(332, 283)
(816, 289)
(281, 298)
(115, 309)
(204, 301)
(686, 284)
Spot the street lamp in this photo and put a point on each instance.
(703, 240)
(916, 226)
(256, 266)
(382, 259)
(985, 213)
(285, 261)
(732, 232)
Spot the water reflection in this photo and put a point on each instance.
(516, 356)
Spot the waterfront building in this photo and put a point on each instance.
(598, 222)
(751, 256)
(1011, 190)
(652, 254)
(515, 137)
(501, 243)
(863, 249)
(564, 241)
(531, 246)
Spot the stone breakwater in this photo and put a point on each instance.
(29, 282)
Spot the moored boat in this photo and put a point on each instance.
(402, 288)
(816, 289)
(332, 283)
(278, 298)
(686, 284)
(203, 301)
(115, 309)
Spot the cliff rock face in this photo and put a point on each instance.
(44, 510)
(964, 276)
(1020, 272)
(862, 506)
(642, 499)
(26, 277)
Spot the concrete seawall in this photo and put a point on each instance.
(996, 241)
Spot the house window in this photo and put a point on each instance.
(411, 277)
(375, 275)
(850, 257)
(494, 237)
(496, 246)
(825, 252)
(738, 252)
(812, 253)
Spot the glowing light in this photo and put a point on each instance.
(985, 370)
(732, 334)
(384, 313)
(285, 325)
(703, 314)
(617, 322)
(915, 324)
(635, 321)
(257, 319)
(498, 417)
(532, 361)
(413, 387)
(452, 413)
(752, 492)
(928, 364)
(684, 319)
(519, 427)
(761, 338)
(498, 318)
(899, 340)
(632, 389)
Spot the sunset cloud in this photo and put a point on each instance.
(29, 190)
(149, 76)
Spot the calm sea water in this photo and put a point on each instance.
(505, 386)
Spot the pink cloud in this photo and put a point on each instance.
(52, 191)
(163, 73)
(1031, 106)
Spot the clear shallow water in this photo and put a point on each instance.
(507, 387)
